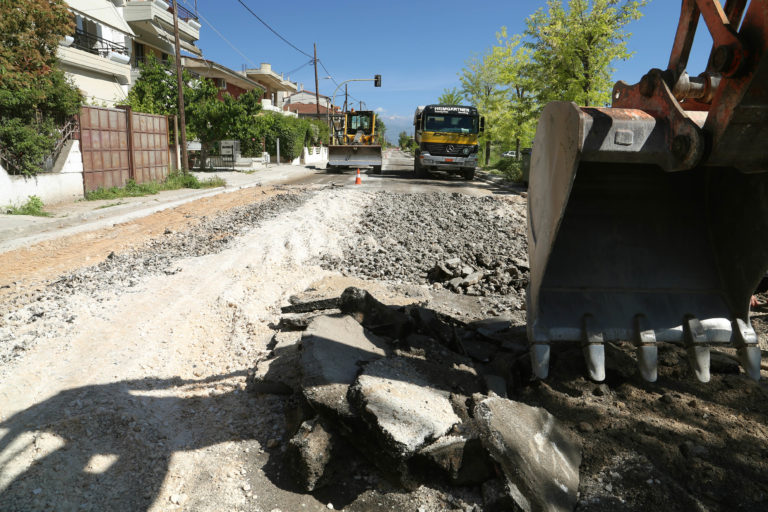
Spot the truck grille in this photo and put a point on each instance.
(439, 149)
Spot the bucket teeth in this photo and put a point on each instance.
(540, 360)
(593, 349)
(647, 351)
(647, 362)
(750, 361)
(749, 351)
(698, 351)
(594, 355)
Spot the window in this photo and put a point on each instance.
(451, 124)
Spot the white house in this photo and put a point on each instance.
(97, 58)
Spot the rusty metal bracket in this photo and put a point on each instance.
(653, 96)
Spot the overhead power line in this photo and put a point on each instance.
(221, 36)
(274, 31)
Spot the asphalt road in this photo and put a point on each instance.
(397, 176)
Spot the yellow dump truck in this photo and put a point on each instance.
(354, 143)
(447, 139)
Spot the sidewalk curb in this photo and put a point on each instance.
(99, 219)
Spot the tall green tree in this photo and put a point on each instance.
(381, 131)
(481, 84)
(35, 96)
(518, 109)
(574, 47)
(403, 140)
(452, 96)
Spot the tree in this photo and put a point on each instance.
(514, 121)
(481, 83)
(381, 130)
(35, 95)
(403, 140)
(452, 96)
(156, 90)
(209, 119)
(573, 48)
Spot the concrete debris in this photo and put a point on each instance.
(538, 456)
(309, 452)
(403, 407)
(422, 396)
(280, 374)
(332, 350)
(456, 237)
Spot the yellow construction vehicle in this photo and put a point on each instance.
(354, 142)
(648, 221)
(447, 139)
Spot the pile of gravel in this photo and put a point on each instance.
(469, 245)
(30, 318)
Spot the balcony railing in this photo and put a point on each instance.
(96, 45)
(184, 14)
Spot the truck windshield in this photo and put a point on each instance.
(451, 124)
(359, 122)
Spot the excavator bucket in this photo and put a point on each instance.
(354, 155)
(648, 221)
(625, 247)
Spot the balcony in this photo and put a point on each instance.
(153, 16)
(99, 46)
(95, 54)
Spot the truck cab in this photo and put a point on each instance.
(447, 139)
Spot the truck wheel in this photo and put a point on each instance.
(418, 169)
(469, 174)
(377, 169)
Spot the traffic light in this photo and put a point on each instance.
(377, 80)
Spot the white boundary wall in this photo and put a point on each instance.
(314, 155)
(53, 187)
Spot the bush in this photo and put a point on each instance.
(26, 144)
(33, 206)
(511, 168)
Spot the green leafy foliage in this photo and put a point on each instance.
(453, 96)
(565, 54)
(33, 206)
(403, 140)
(573, 47)
(35, 96)
(510, 168)
(381, 131)
(211, 118)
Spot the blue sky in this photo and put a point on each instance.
(418, 47)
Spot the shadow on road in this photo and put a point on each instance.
(108, 447)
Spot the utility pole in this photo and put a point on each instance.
(180, 82)
(317, 87)
(346, 96)
(361, 105)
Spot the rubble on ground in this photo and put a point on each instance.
(417, 394)
(469, 245)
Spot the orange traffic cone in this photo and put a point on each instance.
(358, 181)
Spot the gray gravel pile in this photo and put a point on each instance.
(469, 245)
(29, 318)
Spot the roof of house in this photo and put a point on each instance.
(306, 108)
(312, 93)
(265, 75)
(210, 69)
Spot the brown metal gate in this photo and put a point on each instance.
(118, 145)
